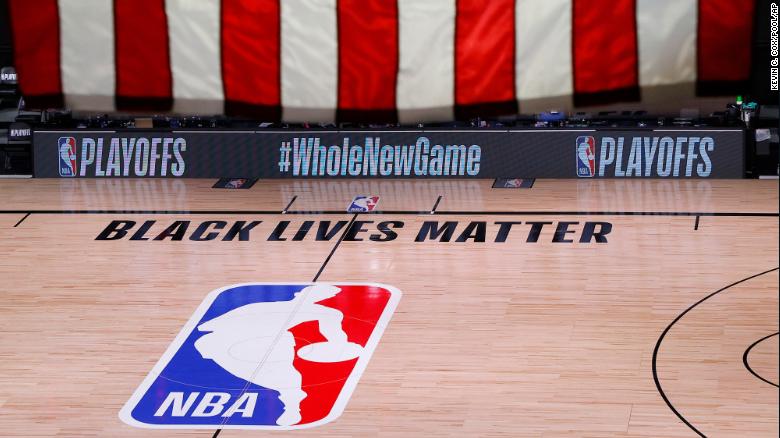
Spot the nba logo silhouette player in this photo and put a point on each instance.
(363, 204)
(586, 156)
(265, 356)
(67, 151)
(273, 348)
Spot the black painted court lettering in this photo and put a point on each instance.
(470, 232)
(276, 234)
(198, 234)
(142, 230)
(589, 232)
(324, 232)
(303, 231)
(562, 231)
(536, 231)
(386, 228)
(475, 231)
(505, 228)
(432, 231)
(115, 230)
(242, 229)
(175, 231)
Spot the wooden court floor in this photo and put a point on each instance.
(667, 328)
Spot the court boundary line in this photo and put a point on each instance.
(408, 212)
(335, 247)
(22, 219)
(316, 277)
(289, 204)
(436, 204)
(669, 327)
(746, 363)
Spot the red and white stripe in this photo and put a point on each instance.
(87, 53)
(143, 73)
(250, 57)
(309, 60)
(368, 59)
(665, 74)
(543, 39)
(425, 80)
(484, 58)
(376, 60)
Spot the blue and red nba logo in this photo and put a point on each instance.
(586, 156)
(67, 150)
(236, 183)
(265, 356)
(363, 204)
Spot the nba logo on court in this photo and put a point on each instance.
(586, 156)
(363, 204)
(67, 150)
(265, 356)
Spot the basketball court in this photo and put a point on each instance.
(573, 308)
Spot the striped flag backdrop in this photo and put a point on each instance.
(376, 60)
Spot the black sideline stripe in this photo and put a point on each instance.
(410, 212)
